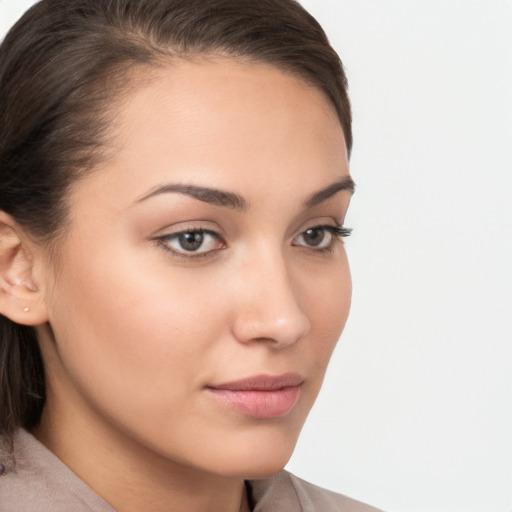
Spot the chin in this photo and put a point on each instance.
(258, 468)
(258, 459)
(260, 449)
(265, 470)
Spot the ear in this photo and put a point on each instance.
(21, 297)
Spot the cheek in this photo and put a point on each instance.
(326, 296)
(328, 330)
(128, 333)
(330, 297)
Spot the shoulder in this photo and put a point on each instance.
(288, 493)
(40, 482)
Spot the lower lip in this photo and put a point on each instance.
(259, 404)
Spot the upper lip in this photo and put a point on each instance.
(262, 383)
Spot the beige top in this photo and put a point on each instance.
(42, 483)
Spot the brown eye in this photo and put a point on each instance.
(321, 237)
(314, 236)
(192, 243)
(318, 237)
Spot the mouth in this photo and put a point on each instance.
(260, 396)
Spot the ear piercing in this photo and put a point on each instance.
(26, 310)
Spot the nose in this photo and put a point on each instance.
(268, 305)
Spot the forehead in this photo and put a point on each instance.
(219, 122)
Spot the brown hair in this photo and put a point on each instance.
(63, 63)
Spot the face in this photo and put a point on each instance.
(204, 283)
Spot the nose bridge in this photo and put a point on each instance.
(269, 309)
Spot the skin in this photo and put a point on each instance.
(132, 333)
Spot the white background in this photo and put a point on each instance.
(416, 411)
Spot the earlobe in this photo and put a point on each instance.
(21, 297)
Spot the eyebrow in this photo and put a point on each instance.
(346, 183)
(234, 201)
(205, 194)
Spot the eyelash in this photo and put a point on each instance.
(164, 240)
(337, 232)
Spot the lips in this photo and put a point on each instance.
(261, 396)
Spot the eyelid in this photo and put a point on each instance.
(330, 224)
(336, 231)
(165, 235)
(190, 225)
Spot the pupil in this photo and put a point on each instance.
(191, 241)
(314, 236)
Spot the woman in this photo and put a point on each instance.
(174, 179)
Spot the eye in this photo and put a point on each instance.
(193, 242)
(321, 237)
